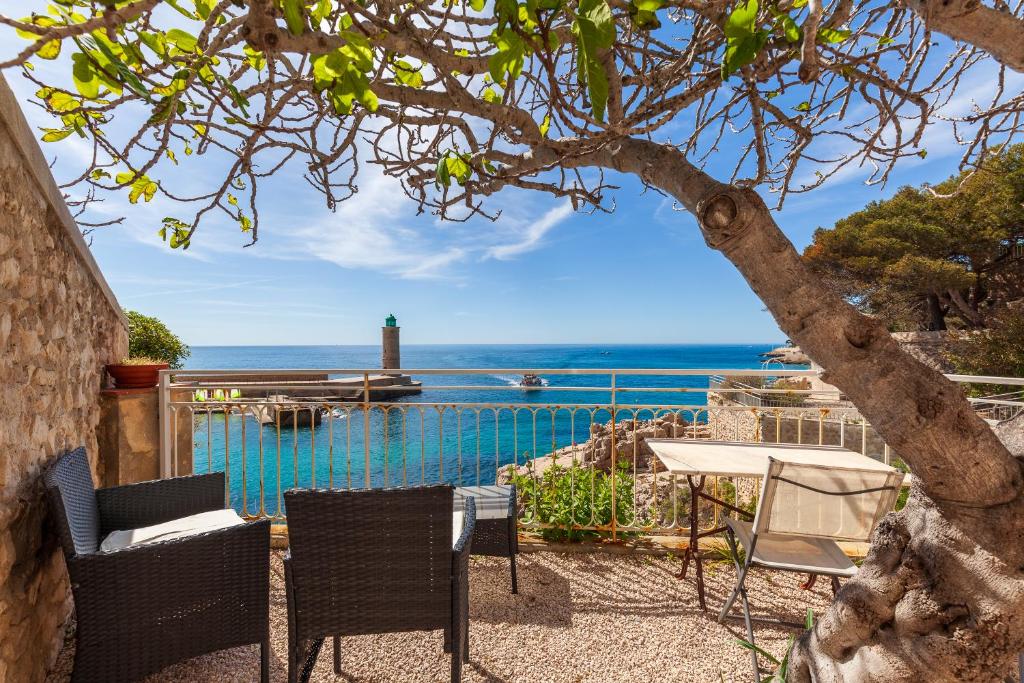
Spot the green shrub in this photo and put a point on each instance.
(574, 496)
(150, 338)
(997, 351)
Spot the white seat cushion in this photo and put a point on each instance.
(794, 553)
(458, 518)
(176, 528)
(491, 501)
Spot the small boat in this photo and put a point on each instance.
(531, 381)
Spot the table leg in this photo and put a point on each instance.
(693, 549)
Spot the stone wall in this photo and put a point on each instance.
(59, 325)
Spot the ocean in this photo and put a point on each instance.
(440, 435)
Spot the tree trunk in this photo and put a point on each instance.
(941, 593)
(935, 312)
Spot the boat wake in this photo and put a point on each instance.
(514, 381)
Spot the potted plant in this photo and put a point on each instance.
(136, 373)
(151, 348)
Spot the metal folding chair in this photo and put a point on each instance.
(803, 510)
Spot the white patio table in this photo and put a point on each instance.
(698, 459)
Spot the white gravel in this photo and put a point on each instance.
(578, 617)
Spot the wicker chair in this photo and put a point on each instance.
(144, 607)
(496, 534)
(375, 561)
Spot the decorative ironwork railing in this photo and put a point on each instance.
(575, 444)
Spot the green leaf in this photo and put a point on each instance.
(320, 12)
(141, 187)
(598, 13)
(764, 653)
(294, 16)
(885, 40)
(179, 232)
(785, 25)
(43, 22)
(594, 29)
(744, 40)
(491, 96)
(803, 106)
(833, 36)
(50, 50)
(545, 125)
(478, 5)
(923, 153)
(510, 56)
(203, 8)
(441, 174)
(254, 58)
(458, 168)
(407, 74)
(84, 76)
(809, 619)
(183, 40)
(643, 14)
(56, 134)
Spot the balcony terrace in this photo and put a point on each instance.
(578, 617)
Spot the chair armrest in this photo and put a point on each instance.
(153, 502)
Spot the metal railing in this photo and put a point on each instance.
(575, 446)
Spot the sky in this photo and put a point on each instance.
(540, 274)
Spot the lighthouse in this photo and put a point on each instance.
(390, 356)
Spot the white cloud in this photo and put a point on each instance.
(534, 233)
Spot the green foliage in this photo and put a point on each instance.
(573, 496)
(453, 166)
(997, 351)
(744, 40)
(919, 261)
(781, 672)
(150, 338)
(594, 29)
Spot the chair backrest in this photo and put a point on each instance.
(814, 500)
(370, 561)
(71, 497)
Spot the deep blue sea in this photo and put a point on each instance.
(442, 436)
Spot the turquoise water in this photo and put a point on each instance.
(446, 441)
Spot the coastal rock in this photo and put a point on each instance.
(928, 347)
(787, 355)
(630, 446)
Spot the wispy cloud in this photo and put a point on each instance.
(534, 233)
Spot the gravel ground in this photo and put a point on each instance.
(578, 617)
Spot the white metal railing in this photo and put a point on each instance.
(269, 430)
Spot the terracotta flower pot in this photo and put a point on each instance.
(135, 376)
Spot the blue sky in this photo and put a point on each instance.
(539, 274)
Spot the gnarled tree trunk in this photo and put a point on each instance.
(941, 593)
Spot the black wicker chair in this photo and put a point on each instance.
(496, 534)
(375, 561)
(144, 607)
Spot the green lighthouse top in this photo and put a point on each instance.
(391, 320)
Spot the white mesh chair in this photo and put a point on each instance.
(803, 510)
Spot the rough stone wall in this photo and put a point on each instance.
(59, 325)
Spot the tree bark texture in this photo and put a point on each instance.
(940, 596)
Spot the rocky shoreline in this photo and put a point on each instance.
(630, 437)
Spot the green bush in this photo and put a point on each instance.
(574, 496)
(150, 338)
(997, 351)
